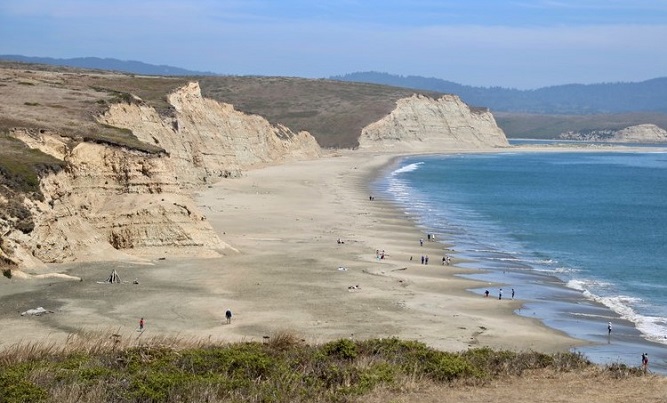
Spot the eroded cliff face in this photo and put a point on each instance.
(206, 140)
(646, 133)
(113, 203)
(423, 124)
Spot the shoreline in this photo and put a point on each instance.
(290, 274)
(285, 221)
(558, 306)
(391, 231)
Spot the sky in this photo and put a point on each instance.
(519, 44)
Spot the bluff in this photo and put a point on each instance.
(124, 154)
(423, 124)
(113, 202)
(646, 133)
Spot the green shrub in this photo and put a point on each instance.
(441, 366)
(335, 371)
(380, 373)
(16, 388)
(343, 349)
(391, 348)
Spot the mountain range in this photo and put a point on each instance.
(109, 64)
(539, 113)
(570, 99)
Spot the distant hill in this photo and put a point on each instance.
(572, 99)
(125, 66)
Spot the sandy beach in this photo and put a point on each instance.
(289, 273)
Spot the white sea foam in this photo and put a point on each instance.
(407, 168)
(565, 270)
(589, 315)
(578, 285)
(482, 250)
(479, 238)
(505, 259)
(588, 285)
(653, 328)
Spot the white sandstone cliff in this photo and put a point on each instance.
(646, 133)
(423, 124)
(206, 139)
(113, 203)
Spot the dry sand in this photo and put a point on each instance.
(289, 274)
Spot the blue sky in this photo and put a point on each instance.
(509, 43)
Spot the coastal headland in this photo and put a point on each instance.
(286, 236)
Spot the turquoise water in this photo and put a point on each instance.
(580, 236)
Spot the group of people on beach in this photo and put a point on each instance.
(500, 293)
(446, 260)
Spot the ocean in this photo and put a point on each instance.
(580, 236)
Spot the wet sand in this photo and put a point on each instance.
(289, 273)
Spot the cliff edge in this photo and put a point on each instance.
(121, 168)
(645, 133)
(116, 203)
(424, 124)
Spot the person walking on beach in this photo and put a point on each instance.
(512, 293)
(645, 362)
(426, 259)
(500, 294)
(486, 293)
(228, 316)
(141, 324)
(421, 242)
(609, 329)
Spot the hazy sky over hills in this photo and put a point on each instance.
(510, 43)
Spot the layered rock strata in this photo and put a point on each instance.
(423, 124)
(115, 203)
(112, 202)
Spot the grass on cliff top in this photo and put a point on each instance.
(67, 101)
(94, 368)
(20, 165)
(334, 112)
(524, 125)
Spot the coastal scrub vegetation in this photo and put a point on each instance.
(92, 367)
(334, 112)
(21, 166)
(66, 101)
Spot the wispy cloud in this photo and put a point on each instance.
(520, 43)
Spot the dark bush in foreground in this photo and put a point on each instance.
(281, 370)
